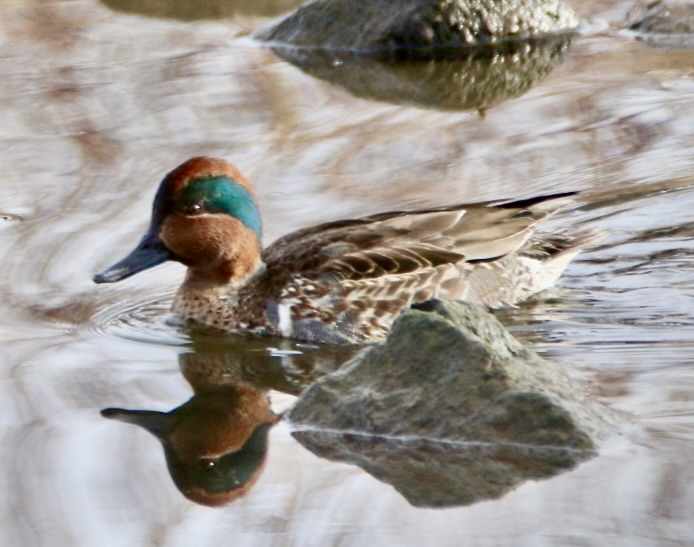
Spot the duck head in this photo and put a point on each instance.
(215, 444)
(205, 216)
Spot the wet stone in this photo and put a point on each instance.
(665, 23)
(417, 25)
(663, 17)
(452, 409)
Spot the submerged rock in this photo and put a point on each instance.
(451, 409)
(407, 25)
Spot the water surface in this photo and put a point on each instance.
(97, 105)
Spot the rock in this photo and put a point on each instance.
(451, 409)
(662, 17)
(477, 80)
(417, 26)
(665, 23)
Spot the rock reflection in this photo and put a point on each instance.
(436, 473)
(460, 79)
(185, 10)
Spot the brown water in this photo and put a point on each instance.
(97, 105)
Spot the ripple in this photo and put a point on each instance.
(146, 319)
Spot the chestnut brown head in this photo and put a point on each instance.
(205, 216)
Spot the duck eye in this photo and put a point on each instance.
(193, 209)
(207, 464)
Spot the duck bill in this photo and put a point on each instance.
(149, 252)
(158, 424)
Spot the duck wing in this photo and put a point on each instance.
(401, 242)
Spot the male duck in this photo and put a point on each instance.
(344, 281)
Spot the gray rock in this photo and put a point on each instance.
(451, 409)
(665, 23)
(407, 25)
(662, 17)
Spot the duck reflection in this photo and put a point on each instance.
(446, 79)
(216, 443)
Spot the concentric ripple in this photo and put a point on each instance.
(145, 318)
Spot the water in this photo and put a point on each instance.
(97, 105)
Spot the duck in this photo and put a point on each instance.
(345, 281)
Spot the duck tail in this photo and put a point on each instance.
(557, 262)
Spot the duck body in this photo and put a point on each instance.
(344, 281)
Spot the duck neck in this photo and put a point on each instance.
(234, 273)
